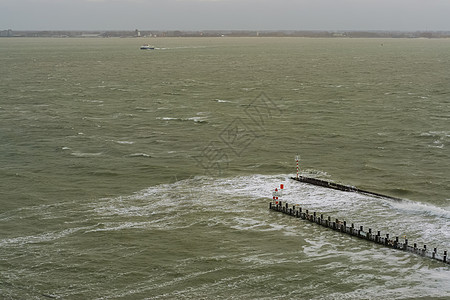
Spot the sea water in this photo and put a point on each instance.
(131, 174)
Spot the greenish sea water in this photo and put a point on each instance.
(146, 174)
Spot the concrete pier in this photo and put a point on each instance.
(341, 226)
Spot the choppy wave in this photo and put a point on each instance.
(194, 119)
(401, 218)
(140, 154)
(416, 208)
(180, 234)
(86, 154)
(40, 238)
(125, 142)
(439, 139)
(66, 234)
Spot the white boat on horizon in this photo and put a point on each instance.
(147, 47)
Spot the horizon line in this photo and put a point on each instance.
(240, 30)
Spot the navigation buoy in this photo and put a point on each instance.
(277, 193)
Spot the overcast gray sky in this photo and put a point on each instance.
(409, 15)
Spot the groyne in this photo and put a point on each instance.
(350, 229)
(341, 187)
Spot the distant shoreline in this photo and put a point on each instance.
(223, 33)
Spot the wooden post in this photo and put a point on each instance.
(342, 226)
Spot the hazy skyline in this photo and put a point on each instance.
(402, 15)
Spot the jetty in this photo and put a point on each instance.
(341, 187)
(337, 186)
(350, 229)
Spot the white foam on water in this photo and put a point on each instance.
(170, 206)
(167, 118)
(149, 284)
(428, 223)
(440, 138)
(125, 142)
(92, 101)
(139, 154)
(260, 187)
(197, 119)
(86, 154)
(39, 238)
(253, 224)
(222, 101)
(240, 205)
(411, 286)
(422, 222)
(423, 209)
(111, 226)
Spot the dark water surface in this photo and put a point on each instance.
(130, 174)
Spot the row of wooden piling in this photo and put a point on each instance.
(369, 235)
